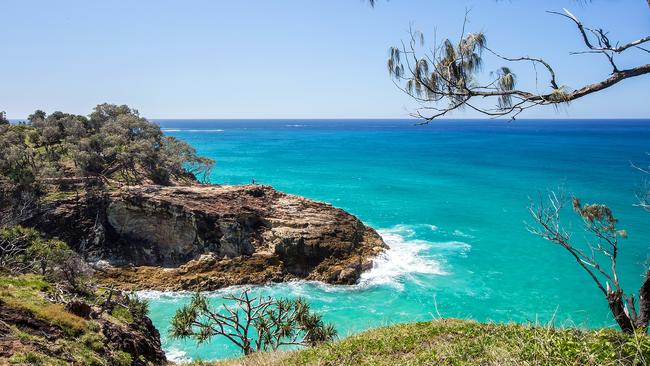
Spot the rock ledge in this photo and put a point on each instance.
(206, 237)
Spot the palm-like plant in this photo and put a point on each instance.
(252, 323)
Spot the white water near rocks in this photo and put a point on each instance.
(406, 259)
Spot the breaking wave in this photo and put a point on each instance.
(177, 356)
(409, 256)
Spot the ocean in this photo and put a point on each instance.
(451, 200)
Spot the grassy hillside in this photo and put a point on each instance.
(458, 342)
(34, 330)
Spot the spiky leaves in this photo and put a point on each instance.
(506, 83)
(253, 324)
(449, 72)
(395, 67)
(598, 258)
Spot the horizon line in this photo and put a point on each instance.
(376, 119)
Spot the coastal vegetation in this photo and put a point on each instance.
(42, 322)
(449, 74)
(465, 342)
(69, 201)
(90, 205)
(598, 256)
(446, 75)
(114, 145)
(253, 324)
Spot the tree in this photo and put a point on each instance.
(446, 77)
(602, 246)
(450, 72)
(3, 118)
(113, 144)
(47, 254)
(18, 166)
(252, 323)
(25, 250)
(15, 241)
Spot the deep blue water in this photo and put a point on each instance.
(451, 200)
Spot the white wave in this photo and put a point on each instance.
(404, 258)
(177, 356)
(462, 234)
(294, 125)
(444, 247)
(162, 295)
(171, 130)
(183, 295)
(407, 256)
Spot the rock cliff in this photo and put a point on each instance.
(207, 237)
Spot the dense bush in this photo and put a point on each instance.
(113, 144)
(24, 250)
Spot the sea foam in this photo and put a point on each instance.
(177, 356)
(406, 256)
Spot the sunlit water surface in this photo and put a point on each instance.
(450, 199)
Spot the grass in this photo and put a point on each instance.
(35, 359)
(57, 196)
(82, 343)
(122, 314)
(25, 293)
(460, 342)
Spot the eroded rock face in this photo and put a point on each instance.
(173, 233)
(209, 237)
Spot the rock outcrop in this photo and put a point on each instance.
(207, 237)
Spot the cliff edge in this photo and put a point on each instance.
(205, 237)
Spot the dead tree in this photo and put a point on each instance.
(600, 260)
(446, 76)
(12, 250)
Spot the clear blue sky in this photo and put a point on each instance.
(284, 58)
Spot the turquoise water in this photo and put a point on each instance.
(450, 199)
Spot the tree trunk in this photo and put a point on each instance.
(616, 306)
(247, 349)
(644, 302)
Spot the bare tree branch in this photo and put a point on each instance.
(601, 223)
(449, 74)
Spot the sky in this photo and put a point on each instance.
(288, 58)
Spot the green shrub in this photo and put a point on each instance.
(139, 308)
(92, 340)
(36, 359)
(123, 314)
(121, 358)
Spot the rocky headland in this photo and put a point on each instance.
(205, 237)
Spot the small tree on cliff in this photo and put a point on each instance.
(599, 259)
(25, 250)
(252, 323)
